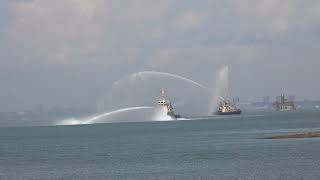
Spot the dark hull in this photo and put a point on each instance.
(177, 116)
(228, 113)
(174, 116)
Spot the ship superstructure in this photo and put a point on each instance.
(226, 107)
(283, 104)
(165, 102)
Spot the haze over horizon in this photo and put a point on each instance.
(69, 52)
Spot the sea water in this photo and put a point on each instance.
(213, 148)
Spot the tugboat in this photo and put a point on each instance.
(283, 104)
(227, 108)
(165, 102)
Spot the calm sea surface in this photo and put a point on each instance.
(216, 148)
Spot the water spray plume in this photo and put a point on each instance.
(131, 89)
(161, 114)
(98, 118)
(221, 88)
(175, 76)
(150, 73)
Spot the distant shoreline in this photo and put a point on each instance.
(294, 136)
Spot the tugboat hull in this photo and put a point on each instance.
(174, 116)
(228, 113)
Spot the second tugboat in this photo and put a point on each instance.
(165, 102)
(227, 108)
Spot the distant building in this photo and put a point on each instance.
(266, 99)
(41, 108)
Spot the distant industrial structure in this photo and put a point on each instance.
(283, 104)
(280, 104)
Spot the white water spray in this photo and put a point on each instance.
(138, 89)
(221, 88)
(100, 117)
(160, 114)
(143, 74)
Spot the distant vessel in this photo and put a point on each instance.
(283, 104)
(227, 108)
(165, 102)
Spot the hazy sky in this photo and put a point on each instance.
(68, 52)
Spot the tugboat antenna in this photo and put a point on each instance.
(162, 92)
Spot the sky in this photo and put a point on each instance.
(69, 52)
